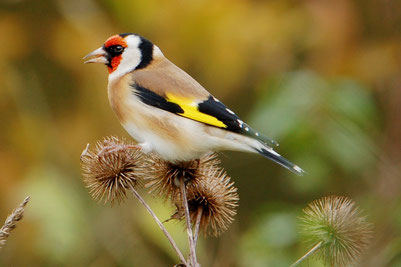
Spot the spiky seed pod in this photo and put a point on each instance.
(111, 169)
(217, 197)
(164, 177)
(337, 223)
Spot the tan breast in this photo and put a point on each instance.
(118, 92)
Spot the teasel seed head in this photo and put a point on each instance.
(164, 177)
(111, 168)
(217, 198)
(337, 223)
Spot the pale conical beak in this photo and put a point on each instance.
(97, 56)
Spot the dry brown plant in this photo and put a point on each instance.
(201, 190)
(164, 177)
(112, 168)
(214, 199)
(11, 221)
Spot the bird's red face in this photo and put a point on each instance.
(123, 53)
(115, 45)
(110, 53)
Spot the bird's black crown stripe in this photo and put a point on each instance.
(125, 34)
(146, 48)
(150, 98)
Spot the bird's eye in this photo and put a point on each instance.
(116, 50)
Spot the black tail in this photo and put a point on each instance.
(274, 156)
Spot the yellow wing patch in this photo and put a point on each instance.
(191, 111)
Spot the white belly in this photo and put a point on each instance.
(190, 141)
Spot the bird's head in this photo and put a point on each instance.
(123, 53)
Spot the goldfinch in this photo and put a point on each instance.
(166, 111)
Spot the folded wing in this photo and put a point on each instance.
(209, 111)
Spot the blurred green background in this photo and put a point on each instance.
(323, 78)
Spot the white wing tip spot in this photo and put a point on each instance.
(257, 134)
(215, 99)
(247, 129)
(273, 152)
(230, 111)
(298, 169)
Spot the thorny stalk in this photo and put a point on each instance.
(191, 242)
(159, 223)
(310, 252)
(197, 224)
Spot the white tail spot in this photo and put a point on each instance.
(273, 152)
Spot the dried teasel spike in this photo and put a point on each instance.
(111, 168)
(164, 177)
(335, 227)
(218, 199)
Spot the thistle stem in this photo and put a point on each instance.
(161, 226)
(197, 224)
(310, 252)
(192, 250)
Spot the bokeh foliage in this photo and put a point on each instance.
(320, 77)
